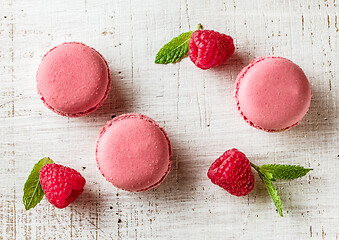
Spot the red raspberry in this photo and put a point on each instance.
(61, 185)
(208, 48)
(232, 172)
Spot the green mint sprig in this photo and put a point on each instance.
(271, 172)
(285, 171)
(33, 192)
(176, 49)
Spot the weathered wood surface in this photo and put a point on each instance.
(194, 106)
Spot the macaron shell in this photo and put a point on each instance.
(133, 152)
(73, 79)
(272, 93)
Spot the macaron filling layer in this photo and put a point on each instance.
(272, 94)
(73, 79)
(133, 152)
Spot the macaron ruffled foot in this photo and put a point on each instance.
(133, 152)
(73, 79)
(272, 94)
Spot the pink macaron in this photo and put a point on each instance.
(272, 93)
(133, 152)
(73, 79)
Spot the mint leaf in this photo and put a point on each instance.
(33, 192)
(174, 50)
(273, 193)
(270, 172)
(284, 171)
(267, 174)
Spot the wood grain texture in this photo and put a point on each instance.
(195, 107)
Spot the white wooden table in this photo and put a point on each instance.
(194, 106)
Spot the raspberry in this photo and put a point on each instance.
(61, 185)
(208, 48)
(232, 172)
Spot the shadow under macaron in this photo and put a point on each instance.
(320, 119)
(180, 185)
(119, 99)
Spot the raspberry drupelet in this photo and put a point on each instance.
(208, 48)
(232, 172)
(61, 185)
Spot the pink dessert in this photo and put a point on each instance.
(133, 152)
(73, 79)
(272, 94)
